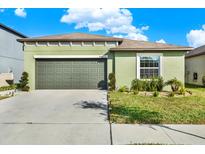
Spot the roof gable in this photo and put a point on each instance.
(124, 44)
(72, 37)
(196, 52)
(134, 45)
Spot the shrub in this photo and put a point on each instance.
(23, 83)
(190, 92)
(160, 83)
(112, 82)
(171, 94)
(140, 85)
(175, 84)
(11, 87)
(17, 85)
(136, 85)
(135, 92)
(145, 85)
(182, 91)
(156, 94)
(123, 89)
(26, 88)
(155, 84)
(203, 80)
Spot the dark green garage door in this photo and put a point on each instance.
(71, 74)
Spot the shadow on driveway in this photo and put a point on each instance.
(92, 105)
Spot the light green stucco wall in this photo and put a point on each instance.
(173, 65)
(126, 67)
(124, 64)
(195, 64)
(30, 51)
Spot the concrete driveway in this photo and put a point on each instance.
(55, 117)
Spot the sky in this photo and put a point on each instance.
(173, 26)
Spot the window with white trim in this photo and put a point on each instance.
(149, 67)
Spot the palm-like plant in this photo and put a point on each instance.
(175, 84)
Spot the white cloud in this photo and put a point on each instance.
(161, 41)
(145, 28)
(2, 10)
(20, 12)
(114, 21)
(133, 36)
(196, 37)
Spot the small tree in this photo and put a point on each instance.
(23, 82)
(112, 81)
(175, 84)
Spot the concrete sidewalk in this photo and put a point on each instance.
(158, 134)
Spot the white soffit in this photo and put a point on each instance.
(68, 56)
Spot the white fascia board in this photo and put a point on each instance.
(68, 56)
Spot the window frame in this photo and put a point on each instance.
(138, 55)
(195, 76)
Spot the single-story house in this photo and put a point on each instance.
(195, 66)
(11, 53)
(84, 61)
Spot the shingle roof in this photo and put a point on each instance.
(196, 52)
(134, 45)
(124, 44)
(12, 30)
(72, 37)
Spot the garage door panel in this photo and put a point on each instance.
(71, 74)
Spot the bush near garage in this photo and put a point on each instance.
(112, 82)
(23, 82)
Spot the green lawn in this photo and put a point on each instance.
(129, 108)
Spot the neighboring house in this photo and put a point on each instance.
(11, 53)
(83, 61)
(195, 66)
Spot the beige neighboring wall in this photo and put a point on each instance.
(4, 77)
(195, 65)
